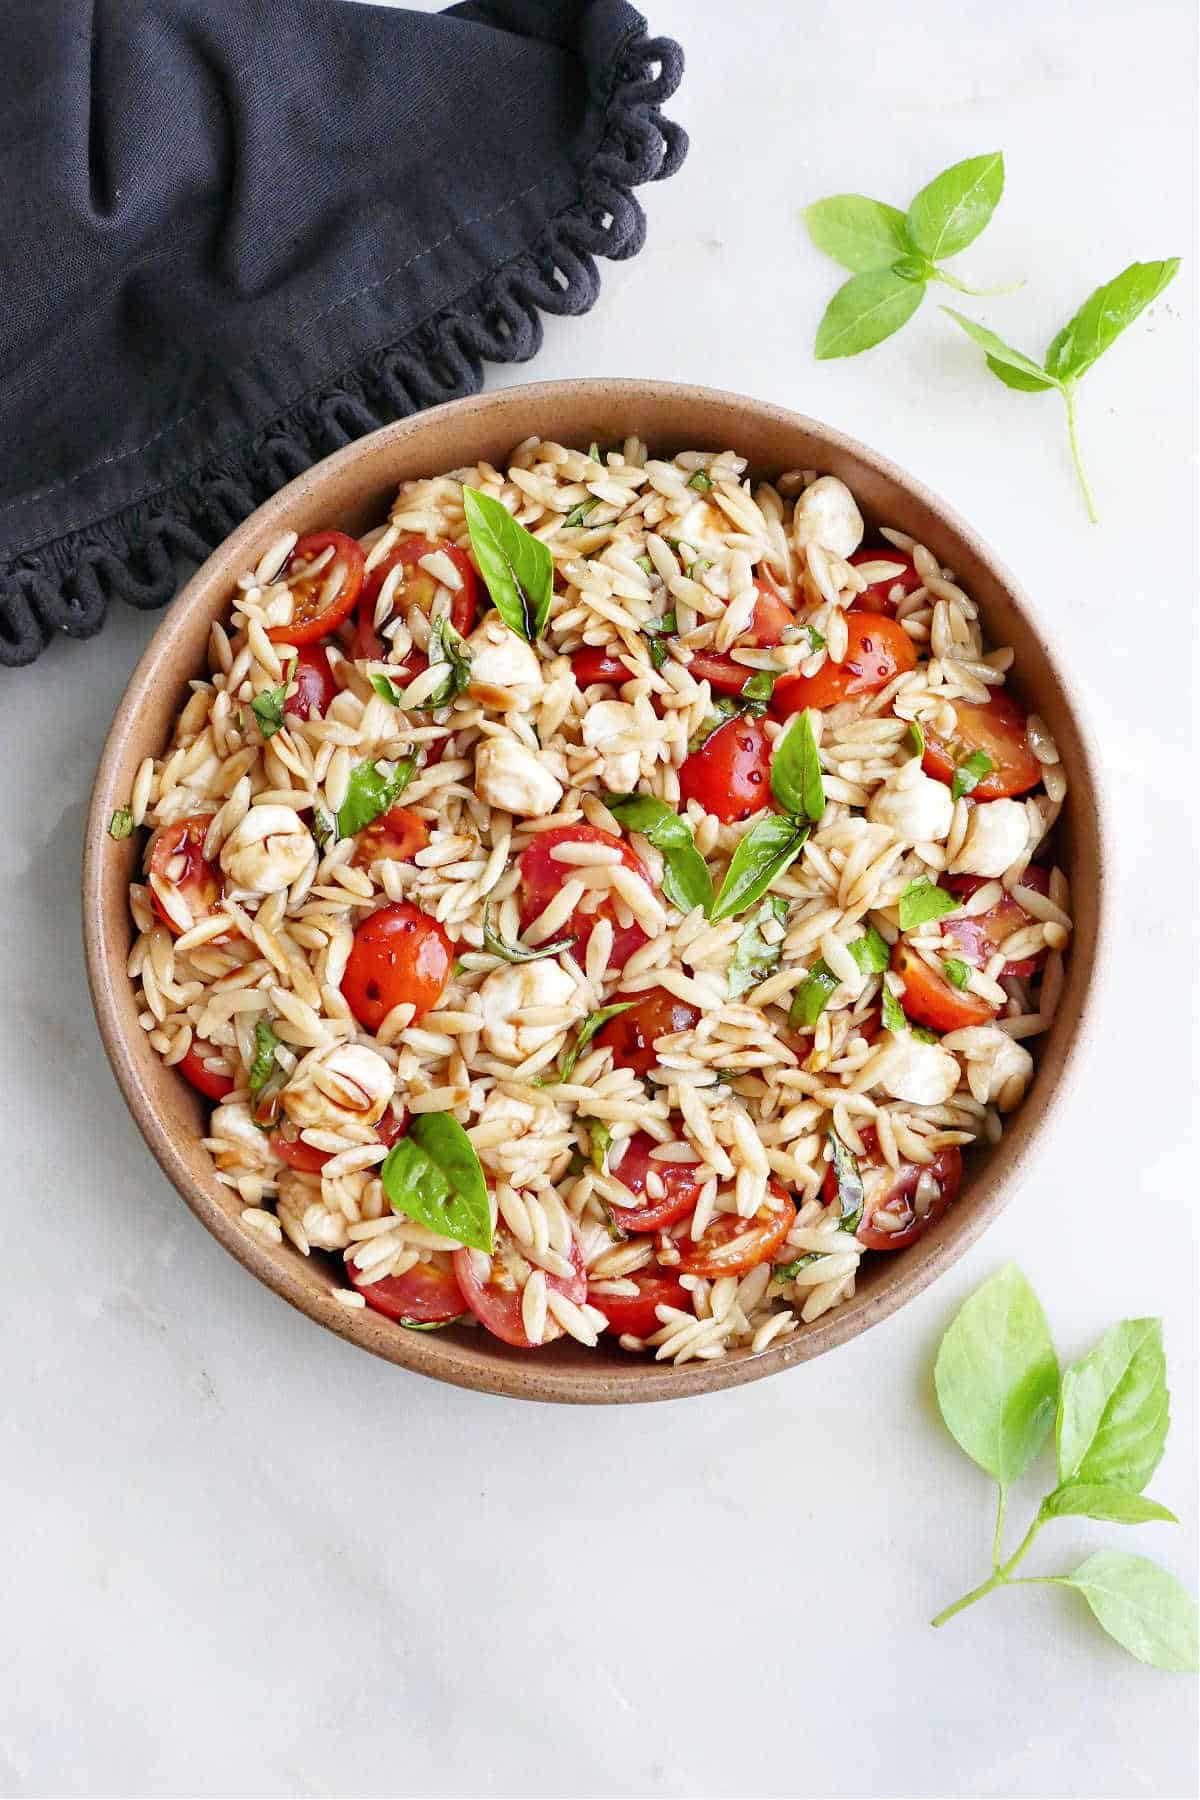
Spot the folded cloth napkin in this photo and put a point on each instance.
(240, 233)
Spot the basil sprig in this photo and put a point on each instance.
(753, 958)
(923, 900)
(433, 1176)
(770, 847)
(686, 880)
(518, 953)
(371, 790)
(594, 1022)
(517, 567)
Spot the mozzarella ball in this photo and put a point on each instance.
(348, 1083)
(268, 850)
(826, 514)
(605, 725)
(508, 993)
(997, 835)
(502, 664)
(922, 1074)
(511, 777)
(231, 1121)
(914, 806)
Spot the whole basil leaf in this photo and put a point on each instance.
(923, 900)
(1141, 1606)
(865, 310)
(517, 567)
(796, 770)
(951, 211)
(1013, 367)
(433, 1176)
(371, 791)
(770, 846)
(996, 1376)
(1101, 1500)
(1104, 315)
(860, 234)
(753, 958)
(1115, 1409)
(686, 880)
(518, 953)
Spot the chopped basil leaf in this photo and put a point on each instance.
(922, 1034)
(760, 687)
(266, 1077)
(267, 707)
(516, 566)
(893, 1012)
(591, 1025)
(446, 649)
(387, 690)
(594, 451)
(579, 513)
(322, 827)
(577, 1163)
(429, 1324)
(600, 1138)
(814, 637)
(812, 996)
(915, 737)
(658, 650)
(724, 708)
(701, 481)
(433, 1176)
(753, 958)
(518, 953)
(371, 792)
(789, 1271)
(644, 562)
(849, 1184)
(923, 900)
(668, 623)
(770, 846)
(656, 634)
(796, 770)
(870, 952)
(970, 772)
(121, 824)
(686, 880)
(957, 972)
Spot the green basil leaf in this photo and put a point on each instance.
(371, 791)
(870, 952)
(686, 880)
(430, 1324)
(996, 1376)
(1115, 1408)
(849, 1183)
(770, 846)
(915, 737)
(1013, 367)
(265, 1045)
(600, 1138)
(1101, 1500)
(701, 481)
(591, 1025)
(468, 1211)
(724, 708)
(1104, 315)
(789, 1271)
(267, 707)
(812, 996)
(387, 690)
(894, 1018)
(913, 268)
(447, 648)
(957, 973)
(518, 953)
(753, 958)
(322, 827)
(951, 211)
(1141, 1606)
(594, 451)
(796, 770)
(865, 310)
(814, 637)
(517, 568)
(121, 824)
(970, 772)
(579, 513)
(923, 900)
(658, 650)
(859, 233)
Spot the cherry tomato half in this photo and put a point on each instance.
(731, 1245)
(770, 619)
(292, 1149)
(877, 650)
(400, 956)
(976, 940)
(998, 729)
(217, 1087)
(395, 836)
(593, 663)
(635, 1313)
(322, 599)
(542, 877)
(416, 587)
(878, 597)
(896, 1202)
(193, 884)
(315, 685)
(426, 1293)
(931, 998)
(631, 1035)
(681, 1184)
(492, 1287)
(730, 774)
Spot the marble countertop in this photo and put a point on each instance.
(243, 1558)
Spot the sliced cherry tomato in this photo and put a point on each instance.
(593, 663)
(542, 877)
(770, 619)
(635, 1313)
(877, 650)
(400, 956)
(631, 1035)
(315, 685)
(730, 774)
(877, 598)
(217, 1087)
(416, 587)
(317, 611)
(193, 884)
(897, 1202)
(978, 939)
(492, 1287)
(998, 729)
(291, 1148)
(680, 1180)
(730, 1245)
(426, 1293)
(932, 999)
(395, 836)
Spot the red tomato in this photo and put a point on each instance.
(400, 956)
(998, 729)
(681, 1181)
(541, 878)
(731, 1245)
(631, 1035)
(977, 940)
(770, 619)
(206, 1080)
(897, 1201)
(395, 836)
(878, 597)
(635, 1313)
(194, 884)
(426, 1293)
(416, 587)
(492, 1287)
(315, 613)
(730, 774)
(877, 649)
(291, 1148)
(932, 999)
(593, 663)
(315, 686)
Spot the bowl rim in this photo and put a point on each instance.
(479, 1367)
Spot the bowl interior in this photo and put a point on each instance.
(353, 490)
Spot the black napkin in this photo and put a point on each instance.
(239, 233)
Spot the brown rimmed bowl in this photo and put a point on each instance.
(352, 490)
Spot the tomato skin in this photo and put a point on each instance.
(308, 623)
(395, 836)
(932, 999)
(593, 663)
(541, 878)
(634, 1313)
(681, 1181)
(976, 940)
(200, 886)
(713, 1254)
(315, 685)
(998, 729)
(631, 1035)
(400, 955)
(877, 598)
(877, 650)
(416, 588)
(946, 1169)
(730, 774)
(426, 1292)
(291, 1148)
(495, 1297)
(206, 1081)
(770, 619)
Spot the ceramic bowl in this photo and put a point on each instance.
(352, 490)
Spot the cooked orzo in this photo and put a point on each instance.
(607, 898)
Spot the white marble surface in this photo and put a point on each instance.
(242, 1558)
